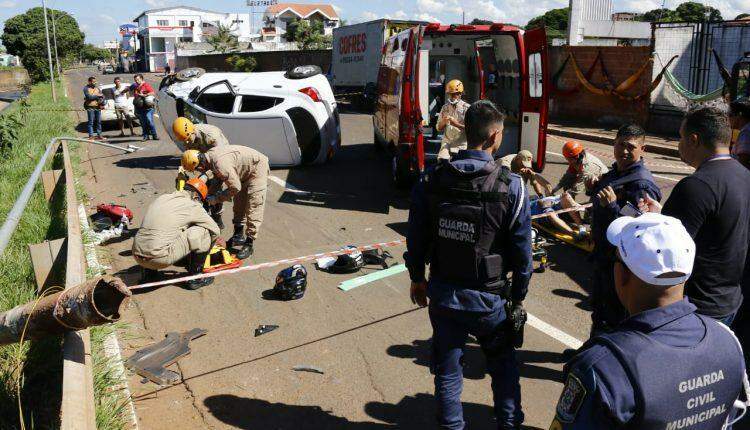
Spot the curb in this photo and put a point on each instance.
(598, 138)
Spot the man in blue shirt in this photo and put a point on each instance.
(618, 191)
(469, 219)
(665, 366)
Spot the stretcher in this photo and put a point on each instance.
(220, 259)
(586, 245)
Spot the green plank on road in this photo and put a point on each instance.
(370, 277)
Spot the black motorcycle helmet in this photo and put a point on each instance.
(348, 263)
(291, 283)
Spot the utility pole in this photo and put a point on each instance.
(49, 53)
(54, 37)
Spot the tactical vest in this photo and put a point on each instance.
(468, 213)
(679, 387)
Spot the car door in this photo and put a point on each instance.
(535, 98)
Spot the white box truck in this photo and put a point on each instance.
(357, 50)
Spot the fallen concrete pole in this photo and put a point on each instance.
(95, 302)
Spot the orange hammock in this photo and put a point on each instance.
(611, 90)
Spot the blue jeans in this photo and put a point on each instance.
(94, 120)
(450, 332)
(146, 117)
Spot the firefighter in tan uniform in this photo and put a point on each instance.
(198, 136)
(244, 171)
(201, 137)
(177, 226)
(451, 120)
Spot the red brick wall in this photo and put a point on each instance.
(587, 108)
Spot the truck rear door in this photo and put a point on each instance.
(535, 98)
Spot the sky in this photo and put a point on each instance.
(99, 19)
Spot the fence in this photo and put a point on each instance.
(694, 45)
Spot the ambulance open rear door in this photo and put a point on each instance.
(535, 97)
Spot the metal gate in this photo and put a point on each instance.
(695, 67)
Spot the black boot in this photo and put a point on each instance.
(237, 238)
(246, 250)
(149, 275)
(217, 218)
(195, 267)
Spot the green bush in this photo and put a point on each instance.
(241, 63)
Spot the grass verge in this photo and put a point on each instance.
(31, 373)
(37, 364)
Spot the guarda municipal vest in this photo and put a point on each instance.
(468, 211)
(680, 388)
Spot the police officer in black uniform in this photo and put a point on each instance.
(470, 221)
(664, 367)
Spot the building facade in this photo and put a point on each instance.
(593, 23)
(278, 16)
(159, 30)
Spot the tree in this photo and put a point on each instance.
(697, 12)
(24, 36)
(554, 21)
(224, 40)
(241, 63)
(308, 35)
(742, 16)
(686, 12)
(91, 53)
(477, 21)
(658, 15)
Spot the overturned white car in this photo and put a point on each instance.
(291, 117)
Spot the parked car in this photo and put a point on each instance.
(418, 62)
(108, 113)
(108, 68)
(291, 117)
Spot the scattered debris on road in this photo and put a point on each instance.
(377, 257)
(308, 368)
(151, 361)
(265, 328)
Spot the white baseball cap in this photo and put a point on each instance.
(655, 247)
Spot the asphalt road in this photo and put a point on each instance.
(371, 342)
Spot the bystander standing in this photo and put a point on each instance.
(122, 110)
(612, 196)
(714, 205)
(144, 103)
(739, 119)
(92, 102)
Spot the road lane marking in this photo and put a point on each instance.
(287, 187)
(654, 175)
(553, 332)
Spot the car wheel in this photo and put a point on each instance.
(308, 134)
(302, 72)
(189, 73)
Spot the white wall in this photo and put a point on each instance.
(592, 19)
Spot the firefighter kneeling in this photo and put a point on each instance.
(177, 228)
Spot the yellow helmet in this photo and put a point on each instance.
(454, 86)
(183, 128)
(190, 159)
